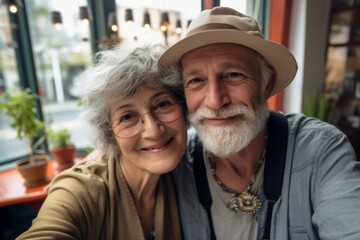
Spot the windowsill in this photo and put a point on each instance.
(7, 166)
(11, 163)
(13, 191)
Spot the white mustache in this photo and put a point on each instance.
(227, 112)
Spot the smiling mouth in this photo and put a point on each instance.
(158, 147)
(223, 118)
(218, 119)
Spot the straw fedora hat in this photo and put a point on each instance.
(226, 25)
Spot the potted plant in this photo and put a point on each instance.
(19, 105)
(61, 148)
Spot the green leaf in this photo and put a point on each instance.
(20, 106)
(60, 138)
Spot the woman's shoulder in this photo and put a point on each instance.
(83, 177)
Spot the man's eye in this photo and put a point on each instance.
(194, 82)
(234, 78)
(234, 75)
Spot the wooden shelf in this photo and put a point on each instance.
(353, 63)
(339, 9)
(347, 44)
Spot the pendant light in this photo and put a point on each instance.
(56, 19)
(165, 22)
(147, 22)
(129, 15)
(112, 22)
(85, 14)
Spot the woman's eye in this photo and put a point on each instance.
(126, 120)
(127, 117)
(164, 104)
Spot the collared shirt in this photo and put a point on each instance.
(320, 194)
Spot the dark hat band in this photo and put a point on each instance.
(220, 26)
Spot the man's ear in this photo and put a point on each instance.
(270, 86)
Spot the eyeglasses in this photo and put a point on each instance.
(130, 123)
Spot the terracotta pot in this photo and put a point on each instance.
(34, 172)
(64, 157)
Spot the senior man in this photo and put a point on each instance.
(250, 173)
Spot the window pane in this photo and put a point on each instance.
(182, 11)
(60, 54)
(10, 146)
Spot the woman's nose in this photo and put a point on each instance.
(152, 127)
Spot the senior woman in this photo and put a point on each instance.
(139, 129)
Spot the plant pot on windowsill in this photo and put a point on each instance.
(61, 148)
(34, 171)
(20, 106)
(64, 157)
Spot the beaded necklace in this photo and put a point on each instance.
(244, 202)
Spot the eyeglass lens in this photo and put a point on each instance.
(165, 110)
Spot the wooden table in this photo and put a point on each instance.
(13, 191)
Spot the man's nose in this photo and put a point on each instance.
(217, 94)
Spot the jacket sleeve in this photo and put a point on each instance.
(67, 212)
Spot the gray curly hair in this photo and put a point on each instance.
(118, 73)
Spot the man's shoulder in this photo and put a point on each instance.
(311, 139)
(302, 124)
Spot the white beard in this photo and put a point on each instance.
(225, 140)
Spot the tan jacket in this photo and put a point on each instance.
(93, 201)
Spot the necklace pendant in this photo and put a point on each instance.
(244, 202)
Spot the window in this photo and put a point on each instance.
(9, 78)
(61, 54)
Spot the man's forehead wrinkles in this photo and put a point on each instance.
(226, 66)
